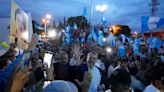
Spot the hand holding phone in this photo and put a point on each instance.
(25, 60)
(47, 58)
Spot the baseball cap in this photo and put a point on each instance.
(60, 86)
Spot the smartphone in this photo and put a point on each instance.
(25, 60)
(47, 58)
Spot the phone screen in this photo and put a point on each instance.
(47, 59)
(25, 60)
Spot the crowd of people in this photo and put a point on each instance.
(127, 66)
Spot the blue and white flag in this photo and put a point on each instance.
(135, 49)
(103, 20)
(123, 37)
(75, 26)
(150, 40)
(155, 43)
(67, 28)
(85, 12)
(100, 38)
(137, 41)
(121, 51)
(151, 23)
(94, 35)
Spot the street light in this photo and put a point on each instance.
(101, 9)
(48, 16)
(45, 21)
(109, 50)
(52, 33)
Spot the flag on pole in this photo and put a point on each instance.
(85, 12)
(94, 35)
(75, 26)
(103, 20)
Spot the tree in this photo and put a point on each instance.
(121, 29)
(81, 21)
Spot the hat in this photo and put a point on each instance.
(60, 86)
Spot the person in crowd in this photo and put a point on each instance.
(123, 64)
(37, 69)
(62, 69)
(111, 68)
(157, 78)
(18, 79)
(20, 24)
(120, 81)
(67, 86)
(96, 76)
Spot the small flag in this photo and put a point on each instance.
(85, 12)
(103, 20)
(75, 26)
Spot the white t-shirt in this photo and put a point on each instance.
(96, 78)
(151, 88)
(110, 70)
(100, 64)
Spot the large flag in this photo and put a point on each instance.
(151, 23)
(19, 26)
(155, 43)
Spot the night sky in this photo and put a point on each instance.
(126, 12)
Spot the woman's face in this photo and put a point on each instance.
(19, 23)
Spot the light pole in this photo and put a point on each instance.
(45, 21)
(91, 12)
(101, 9)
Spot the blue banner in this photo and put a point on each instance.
(151, 23)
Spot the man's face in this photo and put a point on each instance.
(91, 61)
(19, 23)
(77, 58)
(64, 59)
(124, 64)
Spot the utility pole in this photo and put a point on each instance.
(154, 7)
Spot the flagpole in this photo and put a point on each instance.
(91, 12)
